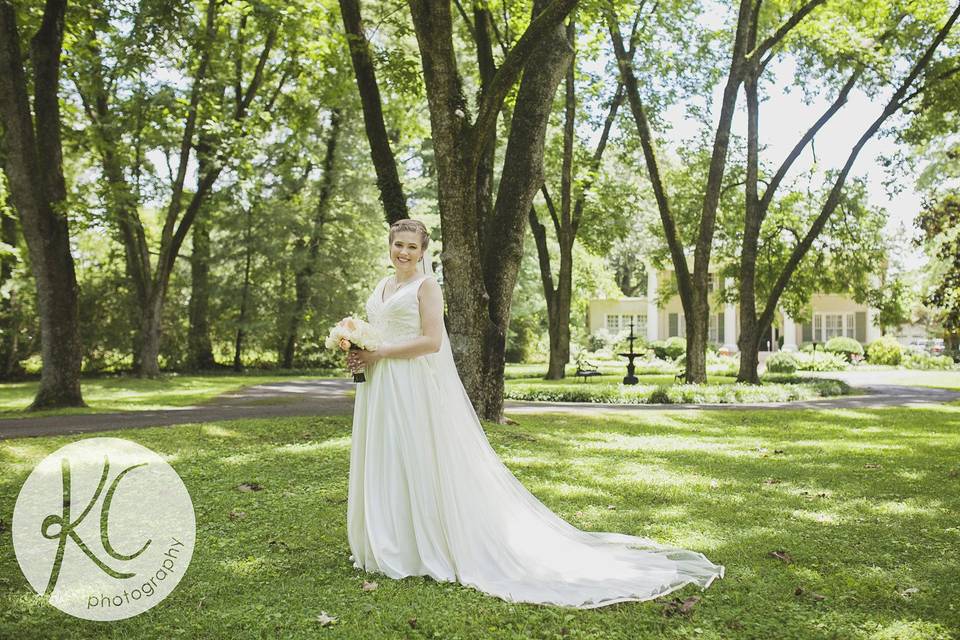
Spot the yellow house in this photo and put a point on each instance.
(832, 315)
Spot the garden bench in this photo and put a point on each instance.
(586, 369)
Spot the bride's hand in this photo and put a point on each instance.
(366, 358)
(358, 360)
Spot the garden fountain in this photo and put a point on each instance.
(630, 378)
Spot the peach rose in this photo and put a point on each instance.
(344, 344)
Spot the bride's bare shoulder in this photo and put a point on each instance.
(429, 285)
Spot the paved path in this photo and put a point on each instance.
(328, 397)
(274, 400)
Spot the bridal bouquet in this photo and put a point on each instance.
(353, 334)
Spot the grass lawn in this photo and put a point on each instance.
(129, 393)
(864, 502)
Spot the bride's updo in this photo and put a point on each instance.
(408, 224)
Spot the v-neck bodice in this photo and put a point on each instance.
(398, 317)
(383, 287)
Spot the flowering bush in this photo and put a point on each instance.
(885, 350)
(923, 360)
(850, 348)
(820, 361)
(782, 362)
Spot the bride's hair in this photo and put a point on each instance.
(408, 224)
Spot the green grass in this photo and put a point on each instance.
(733, 485)
(128, 393)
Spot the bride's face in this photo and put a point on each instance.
(405, 250)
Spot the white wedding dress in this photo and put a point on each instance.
(429, 496)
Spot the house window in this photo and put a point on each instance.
(676, 326)
(832, 325)
(640, 328)
(713, 333)
(613, 323)
(620, 323)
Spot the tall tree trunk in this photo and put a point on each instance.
(480, 306)
(9, 306)
(756, 326)
(521, 178)
(749, 340)
(388, 181)
(33, 163)
(200, 348)
(566, 223)
(244, 294)
(693, 286)
(308, 251)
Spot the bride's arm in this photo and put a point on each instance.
(431, 322)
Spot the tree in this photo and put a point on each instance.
(756, 318)
(213, 120)
(33, 163)
(693, 286)
(482, 231)
(307, 249)
(567, 219)
(940, 223)
(384, 162)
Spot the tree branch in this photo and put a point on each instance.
(629, 81)
(810, 134)
(772, 40)
(551, 208)
(510, 70)
(257, 79)
(833, 199)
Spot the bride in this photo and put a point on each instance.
(429, 496)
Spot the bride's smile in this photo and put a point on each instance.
(405, 252)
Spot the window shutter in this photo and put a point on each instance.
(808, 332)
(861, 324)
(721, 334)
(673, 328)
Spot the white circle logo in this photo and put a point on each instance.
(104, 528)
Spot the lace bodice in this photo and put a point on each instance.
(397, 319)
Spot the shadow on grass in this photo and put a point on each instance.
(863, 500)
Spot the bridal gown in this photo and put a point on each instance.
(428, 495)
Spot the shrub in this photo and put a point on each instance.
(885, 350)
(780, 388)
(660, 395)
(718, 365)
(675, 347)
(850, 348)
(782, 362)
(600, 339)
(820, 361)
(925, 360)
(659, 349)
